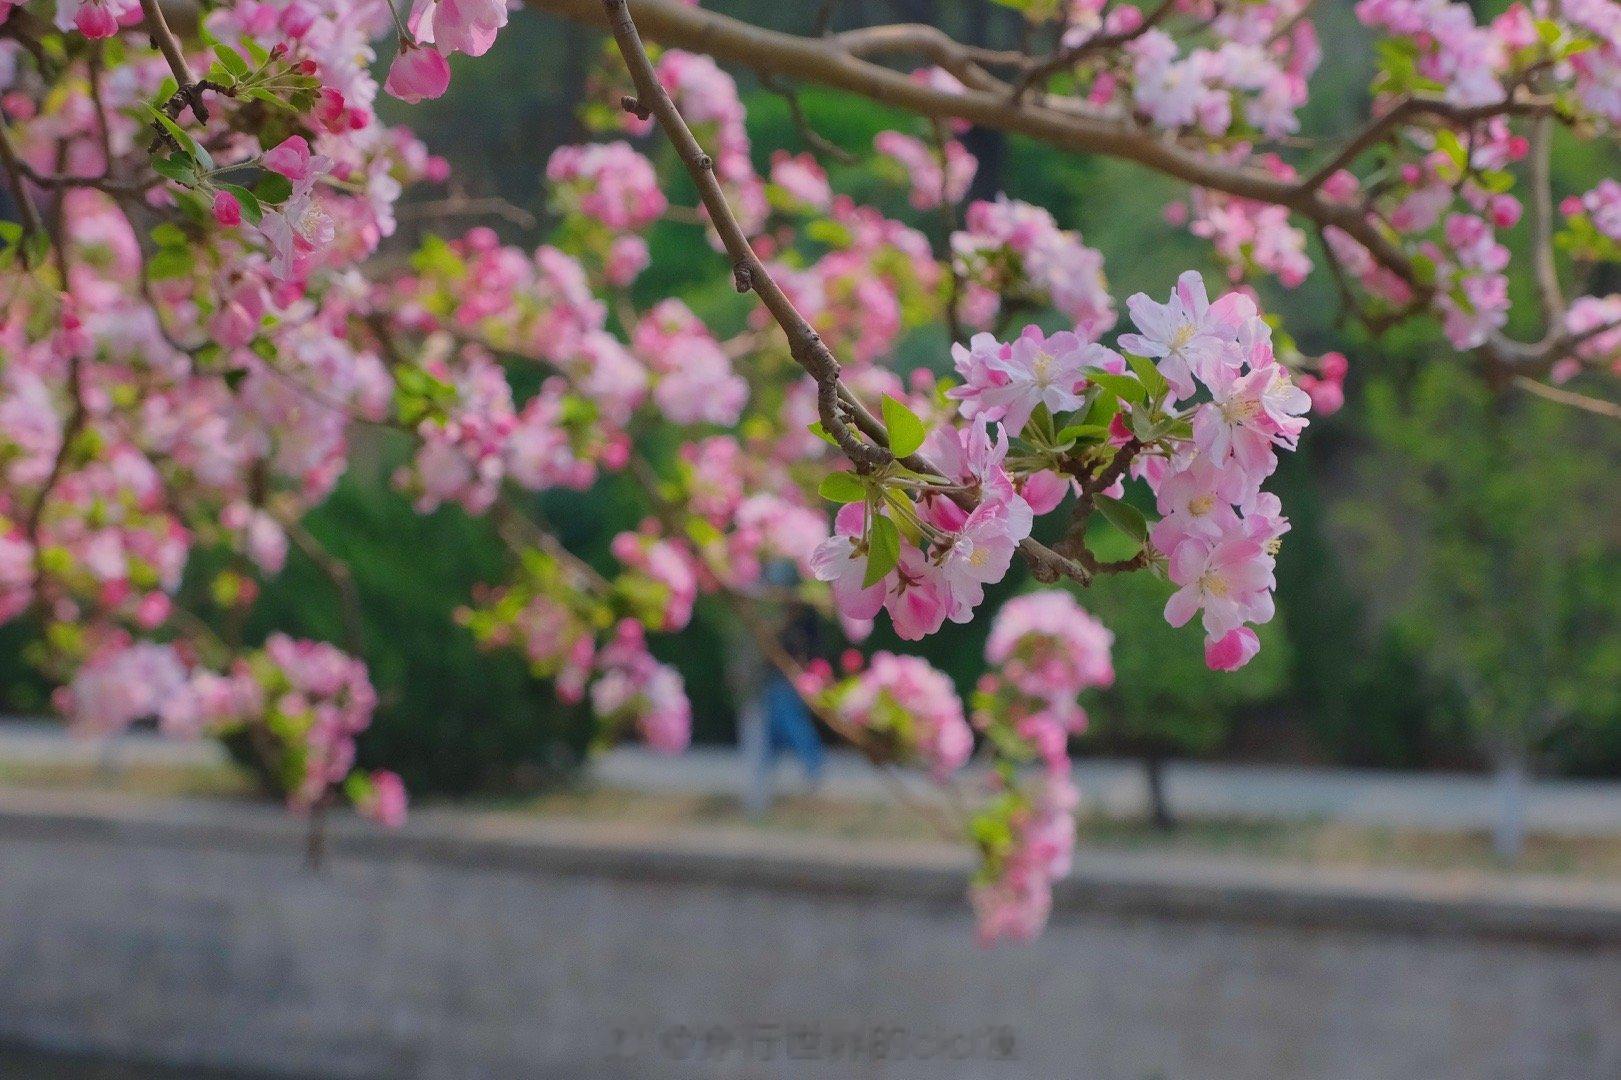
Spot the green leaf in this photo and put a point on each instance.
(205, 161)
(231, 60)
(1148, 374)
(1104, 409)
(167, 234)
(272, 188)
(1446, 141)
(1123, 516)
(1123, 387)
(169, 263)
(1083, 432)
(176, 167)
(883, 550)
(842, 487)
(906, 431)
(815, 428)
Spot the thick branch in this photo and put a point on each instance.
(831, 62)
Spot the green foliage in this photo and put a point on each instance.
(1486, 528)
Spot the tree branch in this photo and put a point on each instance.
(158, 27)
(1542, 253)
(832, 62)
(835, 403)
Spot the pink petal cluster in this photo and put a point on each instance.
(1007, 382)
(1218, 528)
(910, 704)
(1011, 250)
(633, 687)
(938, 178)
(609, 182)
(1012, 896)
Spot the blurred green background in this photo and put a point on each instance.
(1441, 540)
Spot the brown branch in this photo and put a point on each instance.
(339, 576)
(838, 61)
(1541, 200)
(837, 407)
(36, 511)
(749, 273)
(163, 37)
(1597, 406)
(16, 171)
(819, 144)
(1414, 107)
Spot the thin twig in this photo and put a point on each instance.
(1597, 406)
(158, 28)
(1542, 252)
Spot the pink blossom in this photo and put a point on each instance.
(467, 26)
(978, 555)
(292, 158)
(905, 700)
(610, 182)
(1183, 334)
(935, 182)
(384, 800)
(95, 18)
(1048, 646)
(917, 600)
(1008, 382)
(418, 73)
(841, 560)
(1229, 579)
(227, 210)
(801, 179)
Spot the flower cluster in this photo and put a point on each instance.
(1012, 251)
(636, 689)
(906, 706)
(1045, 650)
(937, 178)
(435, 30)
(200, 316)
(1219, 529)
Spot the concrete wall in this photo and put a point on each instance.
(485, 947)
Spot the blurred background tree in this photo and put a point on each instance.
(1494, 550)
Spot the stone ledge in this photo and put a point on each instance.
(1571, 914)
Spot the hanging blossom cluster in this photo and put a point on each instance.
(1045, 650)
(202, 322)
(1410, 214)
(1197, 408)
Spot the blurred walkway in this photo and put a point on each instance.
(1111, 788)
(1197, 790)
(47, 743)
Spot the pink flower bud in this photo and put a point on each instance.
(291, 158)
(418, 74)
(1233, 651)
(227, 210)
